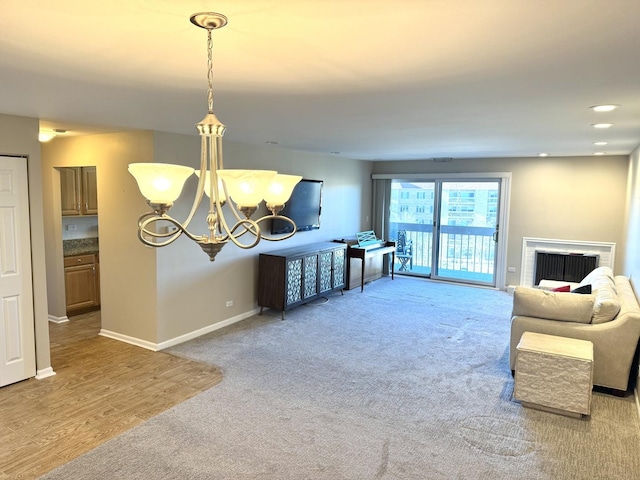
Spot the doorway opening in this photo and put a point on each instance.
(80, 238)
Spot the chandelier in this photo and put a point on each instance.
(241, 190)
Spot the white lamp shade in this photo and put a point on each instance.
(247, 187)
(280, 189)
(160, 183)
(207, 186)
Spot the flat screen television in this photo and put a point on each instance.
(304, 208)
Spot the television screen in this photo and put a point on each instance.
(303, 208)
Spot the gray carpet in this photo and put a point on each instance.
(408, 380)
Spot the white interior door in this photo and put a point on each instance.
(17, 346)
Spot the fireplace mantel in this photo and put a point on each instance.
(606, 252)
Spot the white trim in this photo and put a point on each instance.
(127, 339)
(208, 329)
(54, 319)
(605, 250)
(433, 176)
(635, 394)
(45, 373)
(177, 340)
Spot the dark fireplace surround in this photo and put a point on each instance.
(567, 267)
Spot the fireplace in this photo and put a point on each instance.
(603, 252)
(566, 267)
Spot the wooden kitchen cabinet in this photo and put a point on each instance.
(82, 283)
(79, 191)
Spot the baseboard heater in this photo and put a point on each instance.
(566, 267)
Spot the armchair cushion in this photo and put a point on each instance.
(566, 307)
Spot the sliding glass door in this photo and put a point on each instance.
(446, 229)
(467, 226)
(411, 215)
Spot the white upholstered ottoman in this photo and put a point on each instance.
(554, 374)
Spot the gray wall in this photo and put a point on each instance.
(127, 269)
(571, 198)
(150, 296)
(157, 295)
(192, 291)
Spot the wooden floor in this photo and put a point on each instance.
(102, 388)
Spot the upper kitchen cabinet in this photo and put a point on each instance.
(79, 192)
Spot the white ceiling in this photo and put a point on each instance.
(372, 79)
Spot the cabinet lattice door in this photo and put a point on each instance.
(339, 268)
(325, 271)
(294, 281)
(310, 276)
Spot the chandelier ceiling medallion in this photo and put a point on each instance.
(242, 190)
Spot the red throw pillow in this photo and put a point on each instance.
(564, 288)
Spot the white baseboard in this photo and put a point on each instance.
(177, 340)
(45, 373)
(54, 319)
(207, 329)
(127, 339)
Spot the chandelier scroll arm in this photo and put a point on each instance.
(250, 226)
(149, 218)
(279, 217)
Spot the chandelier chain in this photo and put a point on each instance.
(210, 70)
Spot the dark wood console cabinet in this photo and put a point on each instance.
(293, 276)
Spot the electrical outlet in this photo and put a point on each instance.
(511, 269)
(229, 303)
(72, 227)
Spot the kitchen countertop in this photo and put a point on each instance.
(80, 246)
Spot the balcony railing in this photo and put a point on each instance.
(465, 252)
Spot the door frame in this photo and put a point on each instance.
(503, 214)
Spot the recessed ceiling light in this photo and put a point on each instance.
(602, 125)
(604, 108)
(543, 154)
(600, 143)
(598, 153)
